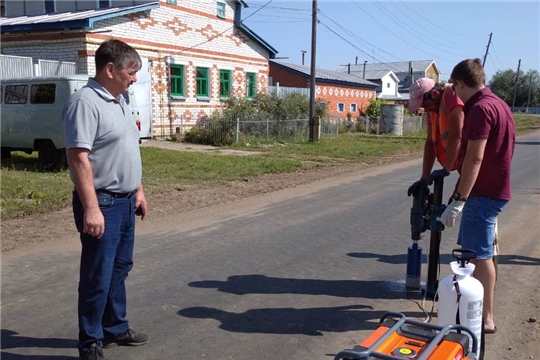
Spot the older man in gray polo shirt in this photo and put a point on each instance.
(102, 141)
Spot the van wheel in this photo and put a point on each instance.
(6, 153)
(49, 157)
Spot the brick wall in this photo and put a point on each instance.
(190, 32)
(333, 94)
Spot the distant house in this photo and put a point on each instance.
(406, 72)
(388, 82)
(342, 92)
(195, 53)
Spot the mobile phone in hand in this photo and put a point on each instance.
(139, 211)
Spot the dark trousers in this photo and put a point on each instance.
(105, 264)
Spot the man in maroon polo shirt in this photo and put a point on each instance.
(483, 189)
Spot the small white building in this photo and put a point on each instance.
(406, 72)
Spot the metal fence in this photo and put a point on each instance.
(412, 124)
(229, 131)
(21, 66)
(15, 67)
(52, 67)
(283, 90)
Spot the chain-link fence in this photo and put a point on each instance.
(229, 131)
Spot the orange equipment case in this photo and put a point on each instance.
(410, 339)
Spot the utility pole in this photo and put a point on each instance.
(303, 56)
(487, 50)
(313, 72)
(516, 85)
(529, 96)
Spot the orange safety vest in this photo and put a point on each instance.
(439, 133)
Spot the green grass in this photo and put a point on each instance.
(526, 122)
(27, 191)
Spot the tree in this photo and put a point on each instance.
(503, 85)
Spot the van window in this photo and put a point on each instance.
(43, 94)
(16, 94)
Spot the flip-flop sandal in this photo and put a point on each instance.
(490, 331)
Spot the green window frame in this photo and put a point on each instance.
(251, 84)
(221, 10)
(224, 83)
(177, 80)
(203, 82)
(172, 2)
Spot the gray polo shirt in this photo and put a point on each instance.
(97, 121)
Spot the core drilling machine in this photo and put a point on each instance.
(427, 207)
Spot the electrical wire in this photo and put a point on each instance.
(356, 36)
(420, 36)
(356, 47)
(427, 31)
(223, 32)
(393, 33)
(437, 25)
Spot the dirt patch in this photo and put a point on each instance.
(58, 226)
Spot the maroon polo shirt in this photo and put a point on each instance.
(488, 117)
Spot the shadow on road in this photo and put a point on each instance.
(445, 259)
(10, 356)
(518, 260)
(11, 339)
(527, 142)
(312, 321)
(261, 284)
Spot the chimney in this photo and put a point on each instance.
(349, 69)
(364, 75)
(356, 61)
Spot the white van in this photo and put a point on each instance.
(31, 111)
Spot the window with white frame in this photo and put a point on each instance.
(340, 107)
(388, 85)
(353, 108)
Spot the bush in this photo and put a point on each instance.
(211, 131)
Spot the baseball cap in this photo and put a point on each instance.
(417, 91)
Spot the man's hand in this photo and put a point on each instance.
(140, 203)
(438, 174)
(415, 188)
(93, 223)
(452, 213)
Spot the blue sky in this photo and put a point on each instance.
(384, 31)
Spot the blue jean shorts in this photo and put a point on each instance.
(477, 228)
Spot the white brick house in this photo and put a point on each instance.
(195, 52)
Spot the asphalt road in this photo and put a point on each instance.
(300, 273)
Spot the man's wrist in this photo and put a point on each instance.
(458, 197)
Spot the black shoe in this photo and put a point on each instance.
(129, 338)
(93, 352)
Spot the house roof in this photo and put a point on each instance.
(323, 75)
(70, 19)
(397, 67)
(273, 52)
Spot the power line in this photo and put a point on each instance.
(393, 33)
(356, 36)
(432, 23)
(430, 30)
(495, 53)
(223, 32)
(418, 37)
(356, 47)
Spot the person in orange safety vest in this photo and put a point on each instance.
(444, 118)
